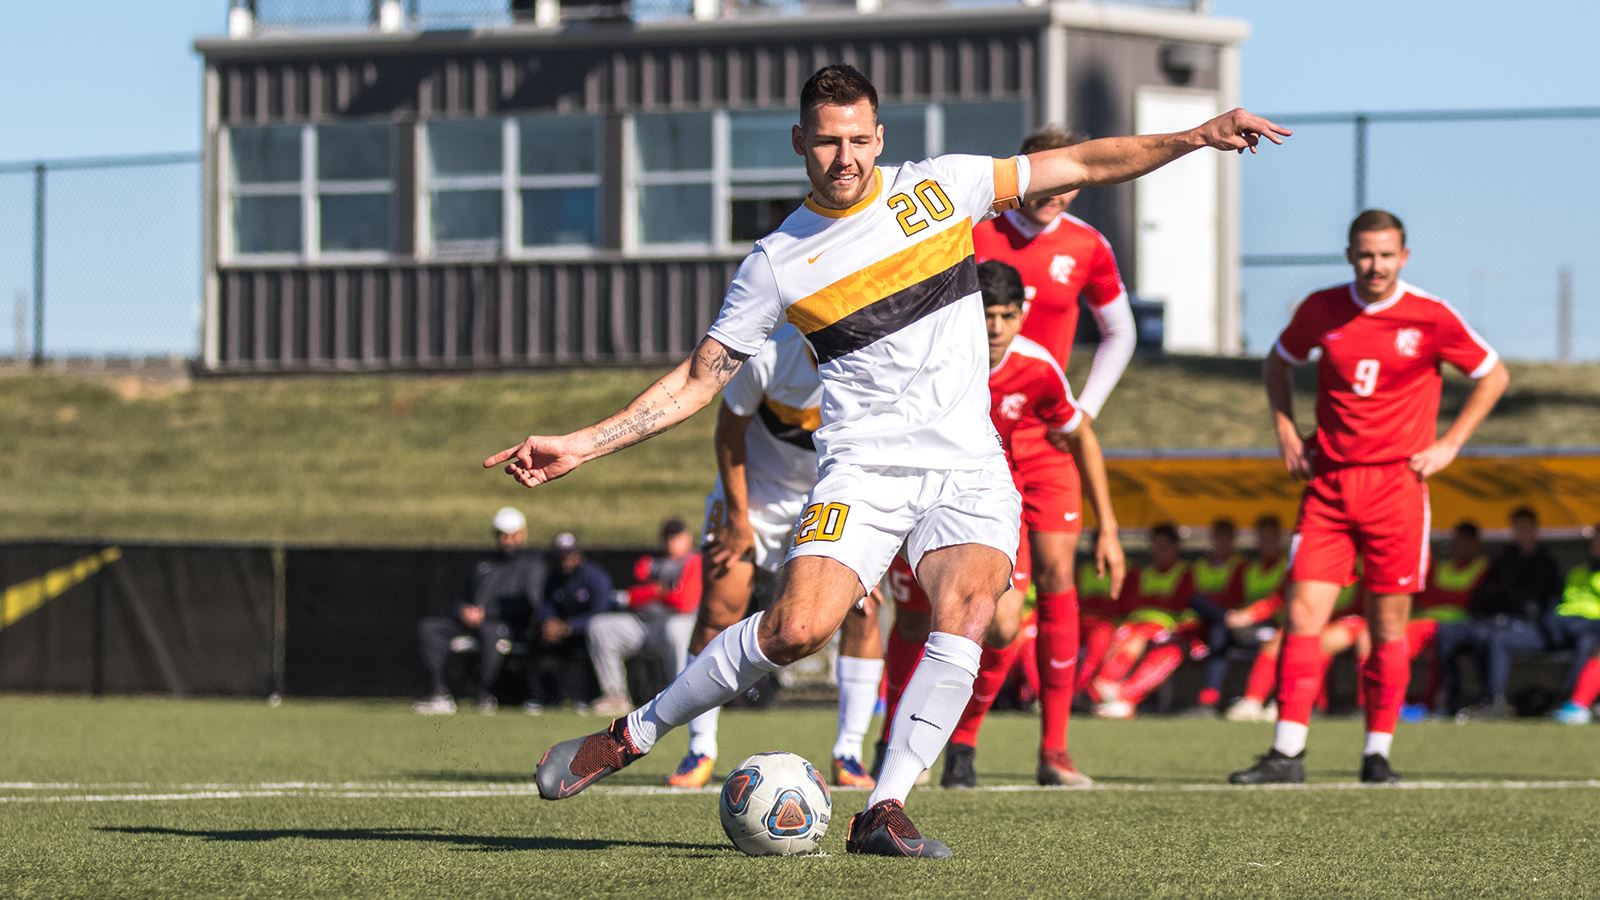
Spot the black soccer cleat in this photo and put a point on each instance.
(1273, 767)
(1375, 769)
(959, 771)
(884, 829)
(571, 766)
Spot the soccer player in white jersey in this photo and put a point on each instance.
(766, 464)
(876, 270)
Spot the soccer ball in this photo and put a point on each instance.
(775, 804)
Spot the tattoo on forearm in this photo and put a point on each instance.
(631, 430)
(722, 364)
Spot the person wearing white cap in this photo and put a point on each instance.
(498, 607)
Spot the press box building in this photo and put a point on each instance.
(529, 184)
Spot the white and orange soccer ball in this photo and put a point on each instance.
(775, 804)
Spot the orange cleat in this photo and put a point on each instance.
(848, 773)
(693, 772)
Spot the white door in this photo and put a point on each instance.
(1176, 211)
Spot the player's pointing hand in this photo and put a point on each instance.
(536, 460)
(1239, 129)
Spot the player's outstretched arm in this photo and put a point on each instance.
(1084, 446)
(1114, 160)
(734, 538)
(1442, 452)
(1279, 378)
(674, 397)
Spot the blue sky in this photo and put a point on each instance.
(101, 78)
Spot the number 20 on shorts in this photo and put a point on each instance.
(821, 522)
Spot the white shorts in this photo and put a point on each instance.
(771, 518)
(862, 516)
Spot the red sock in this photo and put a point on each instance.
(1058, 660)
(1028, 655)
(1588, 686)
(900, 659)
(1263, 675)
(993, 668)
(1156, 667)
(1117, 665)
(1096, 639)
(1299, 677)
(1361, 666)
(1209, 697)
(1384, 677)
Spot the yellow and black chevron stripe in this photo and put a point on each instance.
(791, 424)
(888, 295)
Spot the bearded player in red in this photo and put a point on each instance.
(1024, 383)
(1061, 258)
(1383, 342)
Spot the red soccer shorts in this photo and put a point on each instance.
(909, 596)
(1048, 482)
(1379, 512)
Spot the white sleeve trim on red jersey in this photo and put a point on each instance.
(1487, 366)
(1286, 356)
(1071, 424)
(1119, 337)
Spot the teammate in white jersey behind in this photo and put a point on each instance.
(766, 465)
(876, 270)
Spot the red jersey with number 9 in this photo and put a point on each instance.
(1378, 380)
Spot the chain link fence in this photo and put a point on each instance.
(1498, 204)
(100, 260)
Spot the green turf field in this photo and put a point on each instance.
(394, 460)
(124, 797)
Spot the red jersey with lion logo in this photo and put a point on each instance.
(1378, 380)
(1028, 384)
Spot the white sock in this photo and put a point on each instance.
(703, 728)
(938, 691)
(726, 667)
(1290, 738)
(1379, 743)
(858, 695)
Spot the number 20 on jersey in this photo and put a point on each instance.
(930, 203)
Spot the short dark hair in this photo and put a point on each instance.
(1467, 528)
(837, 85)
(1000, 284)
(1051, 137)
(1223, 523)
(1269, 521)
(1376, 220)
(1166, 530)
(673, 527)
(1524, 512)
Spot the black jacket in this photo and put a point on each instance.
(1523, 587)
(509, 587)
(576, 597)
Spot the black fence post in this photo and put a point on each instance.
(38, 264)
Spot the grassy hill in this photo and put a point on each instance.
(395, 460)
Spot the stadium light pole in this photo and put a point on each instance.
(38, 264)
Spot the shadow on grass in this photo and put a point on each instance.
(489, 843)
(472, 777)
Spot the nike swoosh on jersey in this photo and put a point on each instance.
(1070, 517)
(812, 259)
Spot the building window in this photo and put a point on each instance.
(529, 184)
(719, 181)
(306, 192)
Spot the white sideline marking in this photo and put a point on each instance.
(413, 790)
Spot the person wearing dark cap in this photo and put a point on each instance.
(577, 592)
(497, 608)
(660, 616)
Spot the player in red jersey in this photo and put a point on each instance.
(1382, 342)
(1024, 382)
(1061, 259)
